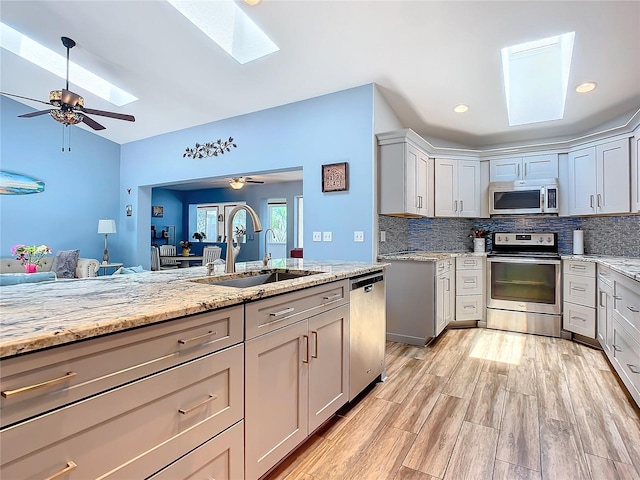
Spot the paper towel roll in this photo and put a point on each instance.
(578, 242)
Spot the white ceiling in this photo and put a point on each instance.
(426, 57)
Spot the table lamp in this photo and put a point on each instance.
(106, 226)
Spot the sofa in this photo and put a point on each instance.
(86, 267)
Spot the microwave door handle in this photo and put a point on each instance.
(542, 209)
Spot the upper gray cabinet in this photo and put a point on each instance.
(598, 178)
(406, 178)
(635, 172)
(523, 168)
(458, 188)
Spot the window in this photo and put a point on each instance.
(278, 221)
(207, 221)
(239, 221)
(211, 219)
(299, 223)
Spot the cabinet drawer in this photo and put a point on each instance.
(626, 359)
(580, 290)
(276, 312)
(469, 307)
(578, 267)
(626, 304)
(469, 263)
(605, 275)
(72, 372)
(134, 430)
(221, 458)
(579, 319)
(469, 282)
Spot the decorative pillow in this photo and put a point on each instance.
(65, 263)
(129, 270)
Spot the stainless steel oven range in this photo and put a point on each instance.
(524, 283)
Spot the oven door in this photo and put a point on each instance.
(524, 284)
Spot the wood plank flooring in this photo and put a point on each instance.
(480, 404)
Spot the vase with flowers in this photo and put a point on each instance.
(199, 236)
(186, 247)
(479, 239)
(30, 256)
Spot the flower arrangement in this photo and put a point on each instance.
(240, 231)
(480, 233)
(185, 244)
(199, 236)
(30, 254)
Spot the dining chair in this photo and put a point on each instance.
(155, 259)
(168, 250)
(209, 254)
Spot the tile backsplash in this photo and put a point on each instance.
(616, 236)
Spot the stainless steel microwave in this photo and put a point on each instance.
(523, 197)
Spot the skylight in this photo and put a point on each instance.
(227, 25)
(536, 75)
(55, 63)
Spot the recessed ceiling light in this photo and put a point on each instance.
(536, 76)
(224, 22)
(252, 3)
(586, 87)
(462, 108)
(30, 50)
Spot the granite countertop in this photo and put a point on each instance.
(40, 315)
(427, 256)
(628, 266)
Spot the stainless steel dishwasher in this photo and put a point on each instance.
(367, 331)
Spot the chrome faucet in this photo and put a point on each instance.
(267, 256)
(257, 227)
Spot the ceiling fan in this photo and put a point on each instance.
(238, 182)
(69, 107)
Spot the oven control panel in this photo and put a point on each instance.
(524, 239)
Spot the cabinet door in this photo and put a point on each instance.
(505, 169)
(445, 301)
(424, 175)
(469, 189)
(612, 160)
(451, 296)
(276, 396)
(540, 166)
(605, 313)
(328, 364)
(582, 182)
(635, 173)
(446, 188)
(412, 171)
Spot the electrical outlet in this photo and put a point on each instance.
(317, 236)
(358, 236)
(383, 236)
(327, 236)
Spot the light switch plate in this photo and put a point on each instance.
(317, 236)
(327, 236)
(358, 237)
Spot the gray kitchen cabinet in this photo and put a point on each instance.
(635, 172)
(470, 274)
(297, 376)
(445, 294)
(605, 308)
(523, 168)
(406, 178)
(598, 179)
(579, 290)
(457, 188)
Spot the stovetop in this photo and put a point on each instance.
(542, 245)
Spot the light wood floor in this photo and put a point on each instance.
(481, 404)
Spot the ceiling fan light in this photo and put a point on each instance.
(66, 117)
(236, 184)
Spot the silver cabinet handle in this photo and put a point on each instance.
(470, 281)
(579, 289)
(578, 267)
(469, 306)
(617, 297)
(193, 339)
(469, 262)
(448, 285)
(633, 309)
(525, 169)
(185, 411)
(282, 312)
(306, 344)
(17, 391)
(455, 205)
(461, 205)
(591, 201)
(315, 345)
(71, 466)
(332, 297)
(616, 348)
(598, 202)
(601, 302)
(633, 368)
(574, 317)
(518, 173)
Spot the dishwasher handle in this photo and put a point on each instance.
(367, 281)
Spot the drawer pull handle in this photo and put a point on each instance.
(634, 309)
(633, 368)
(71, 466)
(469, 262)
(469, 306)
(282, 312)
(601, 299)
(470, 281)
(617, 297)
(578, 267)
(193, 339)
(9, 393)
(574, 317)
(185, 411)
(604, 274)
(579, 289)
(315, 344)
(616, 348)
(332, 297)
(306, 343)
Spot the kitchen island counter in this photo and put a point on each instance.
(37, 316)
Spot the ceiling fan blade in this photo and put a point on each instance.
(254, 181)
(119, 116)
(92, 123)
(34, 114)
(26, 98)
(70, 98)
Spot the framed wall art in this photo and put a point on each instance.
(157, 212)
(335, 177)
(129, 210)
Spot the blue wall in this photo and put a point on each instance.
(307, 134)
(81, 186)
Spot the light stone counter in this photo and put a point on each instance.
(628, 266)
(427, 256)
(40, 315)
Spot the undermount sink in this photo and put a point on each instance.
(253, 279)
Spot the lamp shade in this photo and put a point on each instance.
(106, 226)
